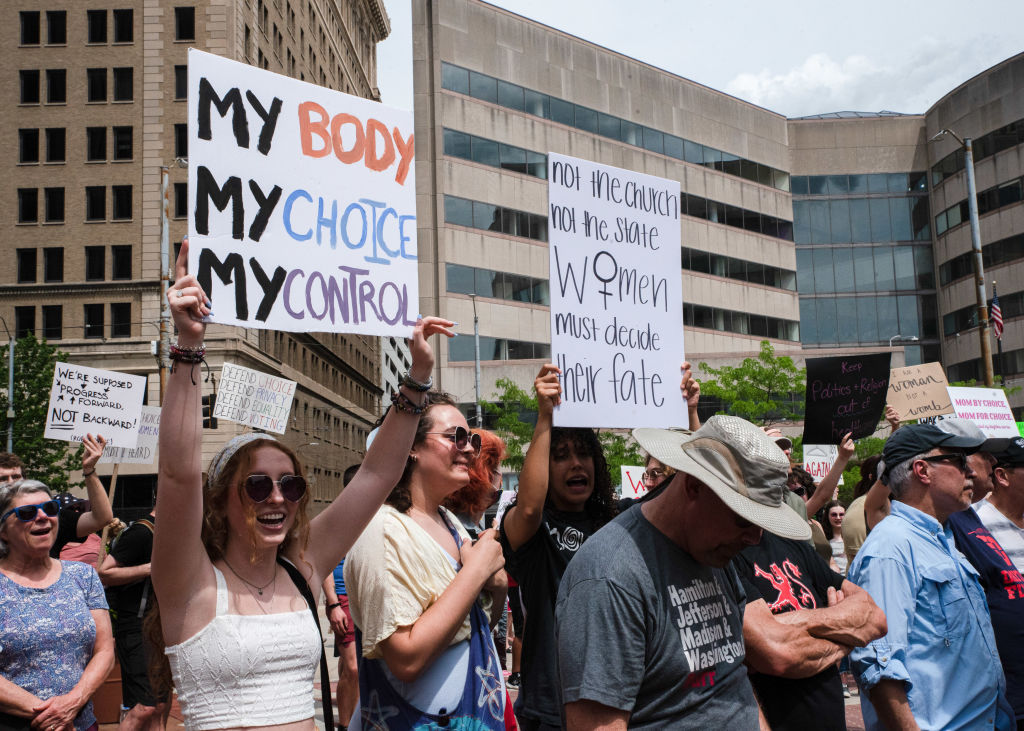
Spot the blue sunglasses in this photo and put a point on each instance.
(27, 513)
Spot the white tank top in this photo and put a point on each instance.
(246, 670)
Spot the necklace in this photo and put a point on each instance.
(259, 589)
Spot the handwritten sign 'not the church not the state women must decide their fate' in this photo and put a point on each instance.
(616, 295)
(302, 203)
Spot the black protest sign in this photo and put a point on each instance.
(845, 394)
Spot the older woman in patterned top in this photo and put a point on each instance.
(56, 646)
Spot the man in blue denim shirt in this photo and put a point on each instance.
(937, 668)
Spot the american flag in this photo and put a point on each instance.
(996, 313)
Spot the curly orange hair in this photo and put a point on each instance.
(478, 495)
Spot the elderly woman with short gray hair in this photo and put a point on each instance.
(56, 646)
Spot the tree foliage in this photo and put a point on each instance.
(511, 410)
(619, 450)
(47, 460)
(763, 390)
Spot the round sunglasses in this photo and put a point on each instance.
(460, 438)
(28, 513)
(259, 487)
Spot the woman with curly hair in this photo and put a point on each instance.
(231, 554)
(419, 588)
(565, 495)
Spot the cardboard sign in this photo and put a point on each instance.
(632, 484)
(302, 203)
(253, 398)
(86, 400)
(819, 458)
(919, 391)
(144, 451)
(844, 394)
(616, 295)
(986, 407)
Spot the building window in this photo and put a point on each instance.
(95, 85)
(53, 264)
(53, 322)
(181, 82)
(95, 144)
(28, 205)
(122, 202)
(26, 265)
(120, 319)
(124, 26)
(181, 140)
(29, 86)
(95, 203)
(123, 82)
(93, 321)
(56, 27)
(180, 200)
(53, 205)
(96, 26)
(122, 143)
(55, 151)
(56, 86)
(29, 27)
(28, 145)
(184, 24)
(121, 262)
(95, 263)
(24, 321)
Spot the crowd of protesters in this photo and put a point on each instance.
(736, 593)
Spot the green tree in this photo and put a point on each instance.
(47, 460)
(764, 390)
(511, 412)
(619, 450)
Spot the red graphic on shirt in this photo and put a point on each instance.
(700, 679)
(793, 593)
(985, 537)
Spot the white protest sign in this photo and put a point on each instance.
(504, 502)
(302, 203)
(819, 458)
(616, 295)
(144, 451)
(987, 408)
(86, 400)
(253, 398)
(632, 484)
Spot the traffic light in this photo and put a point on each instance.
(209, 404)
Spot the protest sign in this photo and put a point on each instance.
(1020, 427)
(845, 393)
(144, 451)
(987, 408)
(819, 458)
(86, 400)
(919, 391)
(632, 484)
(253, 398)
(302, 203)
(616, 295)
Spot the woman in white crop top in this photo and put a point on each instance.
(240, 638)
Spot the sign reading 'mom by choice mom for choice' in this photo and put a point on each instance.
(302, 205)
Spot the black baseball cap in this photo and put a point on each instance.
(910, 441)
(1013, 454)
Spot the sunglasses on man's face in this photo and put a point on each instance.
(954, 459)
(28, 513)
(460, 438)
(259, 487)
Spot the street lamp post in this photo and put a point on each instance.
(476, 364)
(10, 386)
(979, 266)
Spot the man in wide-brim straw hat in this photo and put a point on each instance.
(651, 612)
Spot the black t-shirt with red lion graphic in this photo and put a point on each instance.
(791, 576)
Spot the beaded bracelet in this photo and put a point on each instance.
(89, 474)
(404, 403)
(408, 380)
(184, 354)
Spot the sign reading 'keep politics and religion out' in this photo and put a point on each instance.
(616, 295)
(302, 204)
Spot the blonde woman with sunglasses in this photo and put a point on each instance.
(240, 638)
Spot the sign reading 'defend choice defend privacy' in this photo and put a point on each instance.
(253, 398)
(987, 408)
(87, 400)
(302, 205)
(616, 295)
(144, 451)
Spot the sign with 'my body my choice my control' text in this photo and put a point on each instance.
(616, 295)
